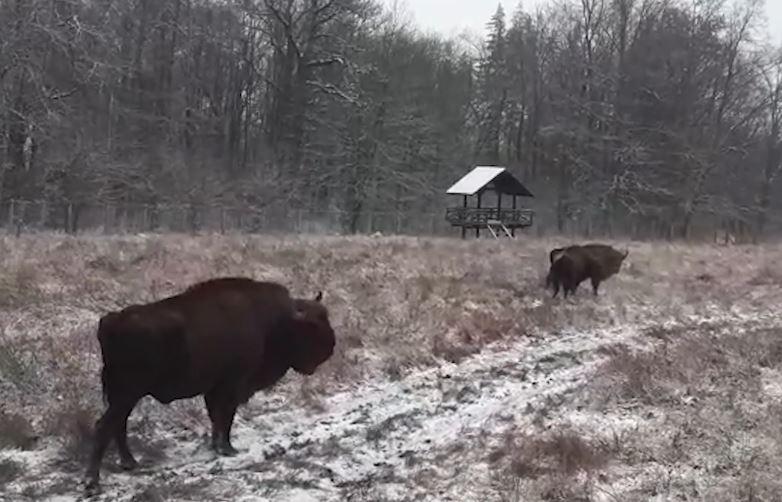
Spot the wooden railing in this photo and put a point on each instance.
(479, 217)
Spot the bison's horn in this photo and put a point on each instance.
(627, 252)
(319, 296)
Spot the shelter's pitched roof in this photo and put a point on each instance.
(481, 176)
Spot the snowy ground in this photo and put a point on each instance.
(575, 408)
(379, 435)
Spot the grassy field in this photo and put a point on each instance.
(456, 376)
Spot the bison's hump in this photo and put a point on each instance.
(238, 283)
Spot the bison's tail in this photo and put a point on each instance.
(104, 340)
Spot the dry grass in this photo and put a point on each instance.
(176, 490)
(418, 299)
(561, 452)
(9, 471)
(553, 466)
(73, 424)
(691, 364)
(709, 402)
(15, 431)
(400, 305)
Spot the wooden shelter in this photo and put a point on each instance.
(488, 213)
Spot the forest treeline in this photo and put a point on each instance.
(660, 116)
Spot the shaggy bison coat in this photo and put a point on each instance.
(572, 265)
(224, 339)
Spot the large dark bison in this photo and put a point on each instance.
(224, 339)
(572, 265)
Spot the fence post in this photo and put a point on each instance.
(370, 221)
(192, 217)
(11, 209)
(145, 219)
(222, 220)
(44, 215)
(68, 218)
(20, 218)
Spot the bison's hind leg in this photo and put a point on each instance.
(112, 424)
(221, 406)
(127, 462)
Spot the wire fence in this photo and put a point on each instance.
(21, 216)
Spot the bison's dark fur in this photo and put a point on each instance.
(572, 265)
(224, 339)
(553, 256)
(555, 253)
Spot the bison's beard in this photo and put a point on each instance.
(308, 367)
(306, 370)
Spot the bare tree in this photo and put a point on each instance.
(644, 116)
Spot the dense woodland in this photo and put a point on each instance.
(658, 116)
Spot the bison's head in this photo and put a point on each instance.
(312, 335)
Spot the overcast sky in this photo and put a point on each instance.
(454, 16)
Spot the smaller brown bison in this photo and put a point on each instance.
(572, 265)
(224, 339)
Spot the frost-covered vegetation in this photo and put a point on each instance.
(456, 376)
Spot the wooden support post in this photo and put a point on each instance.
(477, 226)
(513, 230)
(464, 227)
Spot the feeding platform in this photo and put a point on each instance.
(486, 185)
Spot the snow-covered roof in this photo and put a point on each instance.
(472, 182)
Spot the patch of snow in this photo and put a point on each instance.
(772, 383)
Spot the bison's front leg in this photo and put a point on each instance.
(229, 412)
(595, 285)
(222, 409)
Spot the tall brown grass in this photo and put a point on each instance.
(398, 304)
